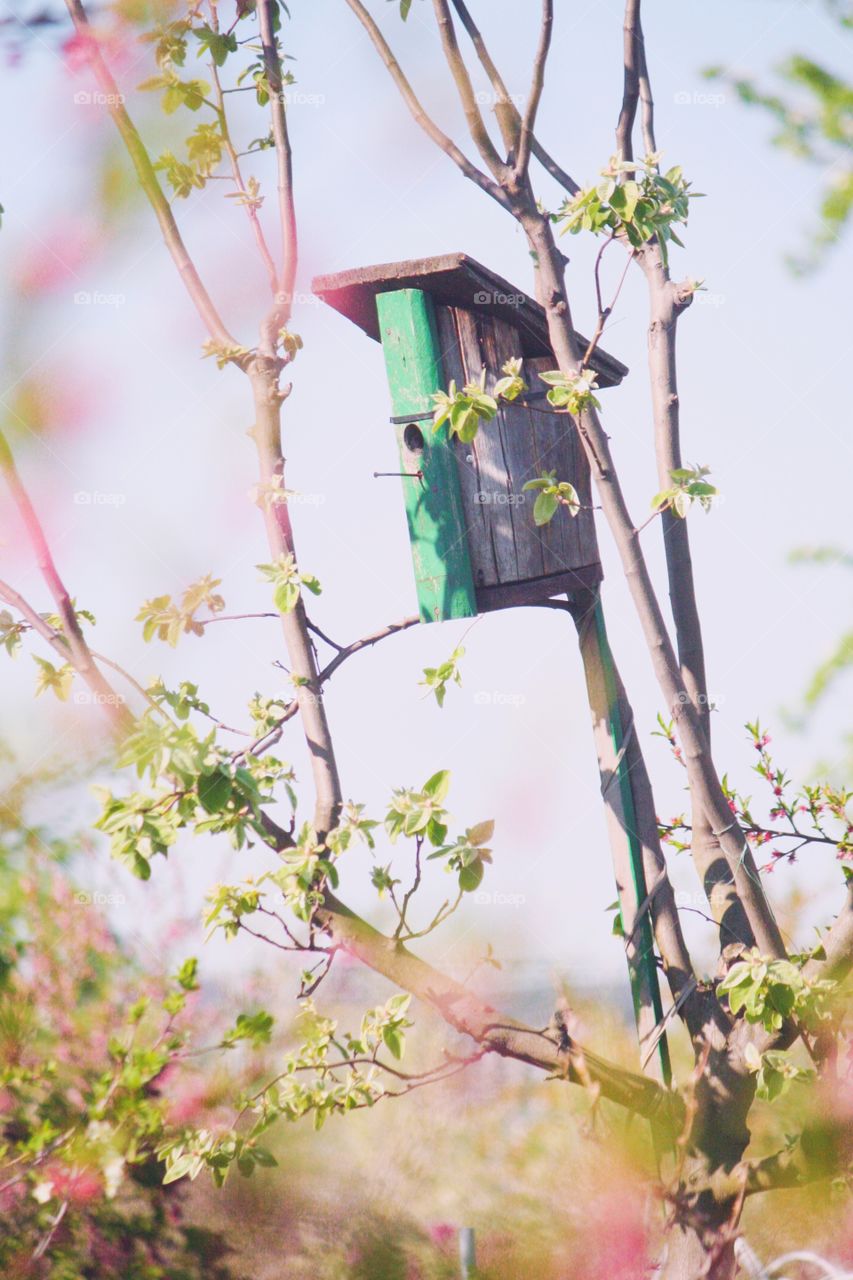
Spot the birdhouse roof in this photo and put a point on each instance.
(454, 280)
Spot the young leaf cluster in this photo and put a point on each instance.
(437, 678)
(464, 410)
(572, 392)
(688, 486)
(635, 200)
(166, 619)
(287, 582)
(551, 494)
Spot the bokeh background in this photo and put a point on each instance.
(134, 449)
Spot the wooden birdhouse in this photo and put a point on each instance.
(475, 545)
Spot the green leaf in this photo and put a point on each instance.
(394, 1041)
(187, 975)
(214, 790)
(545, 508)
(470, 876)
(438, 786)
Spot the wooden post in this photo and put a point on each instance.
(467, 1253)
(612, 742)
(431, 492)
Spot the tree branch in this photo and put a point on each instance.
(284, 158)
(263, 374)
(476, 125)
(473, 1017)
(237, 174)
(508, 115)
(631, 45)
(596, 445)
(365, 642)
(148, 179)
(72, 644)
(666, 303)
(536, 86)
(506, 112)
(417, 112)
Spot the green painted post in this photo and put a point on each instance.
(434, 511)
(644, 975)
(614, 766)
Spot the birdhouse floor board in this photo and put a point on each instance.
(507, 595)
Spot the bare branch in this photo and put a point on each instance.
(366, 642)
(537, 84)
(75, 647)
(631, 92)
(637, 87)
(237, 174)
(54, 638)
(286, 205)
(148, 179)
(476, 125)
(666, 303)
(741, 865)
(420, 117)
(506, 112)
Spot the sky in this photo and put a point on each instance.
(143, 471)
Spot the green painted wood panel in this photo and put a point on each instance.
(642, 965)
(434, 510)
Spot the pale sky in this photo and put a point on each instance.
(158, 443)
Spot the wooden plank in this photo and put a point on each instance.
(443, 576)
(493, 471)
(500, 342)
(480, 548)
(573, 541)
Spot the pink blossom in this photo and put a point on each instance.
(442, 1234)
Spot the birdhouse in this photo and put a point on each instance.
(475, 545)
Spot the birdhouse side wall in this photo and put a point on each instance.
(512, 559)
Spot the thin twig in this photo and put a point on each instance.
(537, 84)
(234, 158)
(418, 113)
(148, 179)
(473, 116)
(267, 10)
